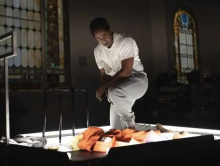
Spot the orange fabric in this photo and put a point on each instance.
(101, 146)
(131, 142)
(120, 135)
(90, 136)
(113, 133)
(120, 143)
(141, 135)
(134, 142)
(91, 140)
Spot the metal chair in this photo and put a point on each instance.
(62, 90)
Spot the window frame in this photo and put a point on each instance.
(44, 84)
(176, 28)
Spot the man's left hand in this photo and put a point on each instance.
(100, 92)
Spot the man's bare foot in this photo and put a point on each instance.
(184, 133)
(161, 128)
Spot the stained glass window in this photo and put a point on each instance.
(55, 41)
(24, 17)
(185, 44)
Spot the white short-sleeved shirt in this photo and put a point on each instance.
(123, 47)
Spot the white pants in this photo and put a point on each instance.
(123, 95)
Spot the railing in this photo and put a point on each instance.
(11, 35)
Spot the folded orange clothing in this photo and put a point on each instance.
(90, 136)
(95, 139)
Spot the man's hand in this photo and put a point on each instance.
(100, 92)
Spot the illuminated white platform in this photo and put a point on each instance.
(65, 146)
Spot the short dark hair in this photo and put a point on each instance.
(98, 23)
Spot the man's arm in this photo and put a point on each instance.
(104, 76)
(125, 71)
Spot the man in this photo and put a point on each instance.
(122, 73)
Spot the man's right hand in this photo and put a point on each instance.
(99, 93)
(105, 78)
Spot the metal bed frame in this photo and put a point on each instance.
(61, 91)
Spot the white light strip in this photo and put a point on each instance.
(107, 128)
(64, 132)
(193, 130)
(189, 129)
(216, 137)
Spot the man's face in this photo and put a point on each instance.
(104, 37)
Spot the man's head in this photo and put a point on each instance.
(100, 29)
